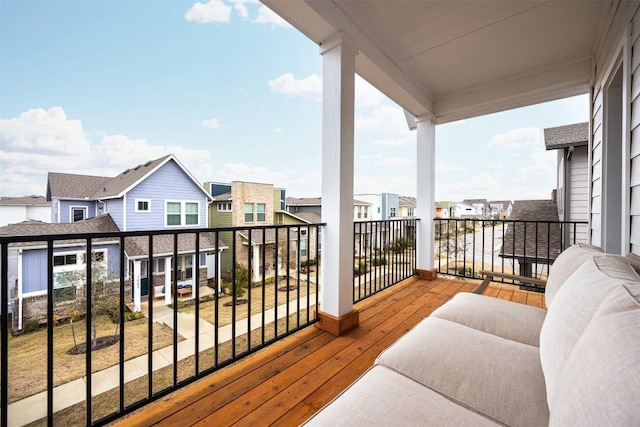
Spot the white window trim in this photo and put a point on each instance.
(227, 206)
(183, 213)
(142, 200)
(83, 208)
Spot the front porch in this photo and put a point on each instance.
(289, 381)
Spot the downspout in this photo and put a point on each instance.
(19, 289)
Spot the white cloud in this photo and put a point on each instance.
(278, 130)
(384, 118)
(211, 11)
(448, 167)
(43, 130)
(241, 8)
(267, 16)
(307, 184)
(393, 162)
(365, 94)
(310, 86)
(211, 123)
(401, 141)
(40, 141)
(515, 138)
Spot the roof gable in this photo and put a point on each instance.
(72, 186)
(573, 135)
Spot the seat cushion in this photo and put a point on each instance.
(600, 384)
(573, 307)
(494, 376)
(386, 398)
(565, 265)
(505, 319)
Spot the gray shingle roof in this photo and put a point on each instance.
(304, 201)
(311, 217)
(138, 246)
(541, 243)
(269, 236)
(72, 186)
(24, 201)
(99, 224)
(566, 136)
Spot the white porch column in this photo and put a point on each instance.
(426, 176)
(137, 269)
(219, 272)
(255, 263)
(168, 298)
(338, 75)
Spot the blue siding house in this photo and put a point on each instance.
(160, 194)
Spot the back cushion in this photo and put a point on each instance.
(574, 306)
(564, 266)
(600, 384)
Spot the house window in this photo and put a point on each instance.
(158, 266)
(248, 212)
(61, 260)
(143, 205)
(191, 215)
(303, 247)
(224, 206)
(78, 213)
(174, 214)
(392, 212)
(182, 213)
(410, 211)
(262, 209)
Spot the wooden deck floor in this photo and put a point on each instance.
(288, 382)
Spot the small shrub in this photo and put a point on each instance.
(360, 268)
(132, 315)
(242, 278)
(379, 260)
(30, 325)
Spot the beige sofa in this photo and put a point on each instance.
(482, 361)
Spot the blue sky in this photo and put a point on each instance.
(97, 87)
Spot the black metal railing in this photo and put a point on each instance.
(384, 254)
(464, 247)
(177, 304)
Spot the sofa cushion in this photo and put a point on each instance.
(565, 265)
(384, 397)
(506, 319)
(497, 377)
(600, 384)
(574, 306)
(634, 260)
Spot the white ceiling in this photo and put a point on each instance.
(459, 59)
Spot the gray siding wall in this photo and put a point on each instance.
(634, 155)
(578, 203)
(620, 22)
(114, 208)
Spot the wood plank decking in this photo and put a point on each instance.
(289, 381)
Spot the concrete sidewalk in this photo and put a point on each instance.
(65, 395)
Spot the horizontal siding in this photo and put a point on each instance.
(635, 140)
(596, 205)
(169, 182)
(114, 208)
(634, 208)
(634, 238)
